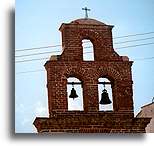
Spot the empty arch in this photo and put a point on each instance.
(88, 50)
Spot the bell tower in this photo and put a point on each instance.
(107, 64)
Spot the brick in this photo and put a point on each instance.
(107, 64)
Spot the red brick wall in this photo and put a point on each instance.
(100, 36)
(89, 73)
(107, 64)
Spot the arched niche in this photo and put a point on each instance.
(104, 84)
(75, 104)
(88, 50)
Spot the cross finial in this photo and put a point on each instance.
(86, 11)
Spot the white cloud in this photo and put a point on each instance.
(40, 109)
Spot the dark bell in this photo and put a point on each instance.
(73, 94)
(105, 98)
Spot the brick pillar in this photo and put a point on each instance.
(90, 94)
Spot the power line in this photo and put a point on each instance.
(43, 58)
(23, 72)
(135, 45)
(25, 49)
(133, 40)
(48, 52)
(36, 53)
(39, 70)
(138, 34)
(87, 52)
(31, 60)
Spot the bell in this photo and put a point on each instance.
(105, 98)
(73, 94)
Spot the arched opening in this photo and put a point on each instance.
(105, 95)
(88, 50)
(75, 102)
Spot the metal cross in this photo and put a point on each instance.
(86, 11)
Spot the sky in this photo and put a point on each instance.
(36, 25)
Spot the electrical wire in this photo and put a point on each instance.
(135, 45)
(25, 49)
(86, 52)
(23, 72)
(31, 60)
(130, 35)
(48, 52)
(36, 54)
(40, 70)
(134, 40)
(139, 34)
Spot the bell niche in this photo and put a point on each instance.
(93, 93)
(105, 94)
(74, 94)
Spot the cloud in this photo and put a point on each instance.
(40, 109)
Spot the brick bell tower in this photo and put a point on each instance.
(107, 63)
